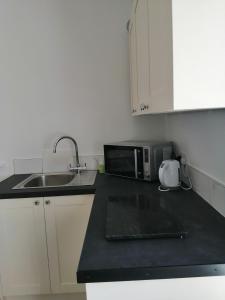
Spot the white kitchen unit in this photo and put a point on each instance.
(41, 241)
(177, 58)
(66, 223)
(133, 68)
(140, 54)
(207, 288)
(23, 259)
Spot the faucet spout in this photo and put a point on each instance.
(77, 162)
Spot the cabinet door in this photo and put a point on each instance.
(161, 55)
(66, 223)
(198, 48)
(143, 59)
(23, 259)
(133, 67)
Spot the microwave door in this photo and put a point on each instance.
(123, 161)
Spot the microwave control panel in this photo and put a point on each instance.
(146, 160)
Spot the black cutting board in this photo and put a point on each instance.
(140, 217)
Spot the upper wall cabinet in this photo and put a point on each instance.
(177, 59)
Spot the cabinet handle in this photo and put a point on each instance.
(144, 107)
(36, 203)
(47, 202)
(128, 26)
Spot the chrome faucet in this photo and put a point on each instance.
(76, 166)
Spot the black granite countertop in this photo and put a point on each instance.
(6, 191)
(201, 253)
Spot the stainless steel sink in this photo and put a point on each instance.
(49, 180)
(58, 179)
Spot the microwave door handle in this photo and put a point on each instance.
(135, 163)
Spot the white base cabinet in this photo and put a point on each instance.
(41, 241)
(207, 288)
(23, 259)
(66, 223)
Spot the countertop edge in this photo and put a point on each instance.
(52, 193)
(149, 273)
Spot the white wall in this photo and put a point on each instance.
(201, 136)
(64, 70)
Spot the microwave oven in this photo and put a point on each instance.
(136, 159)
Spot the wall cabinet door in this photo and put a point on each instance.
(179, 59)
(139, 57)
(133, 68)
(23, 259)
(150, 36)
(198, 54)
(160, 55)
(66, 222)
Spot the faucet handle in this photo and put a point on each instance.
(77, 168)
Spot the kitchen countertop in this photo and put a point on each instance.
(201, 253)
(6, 191)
